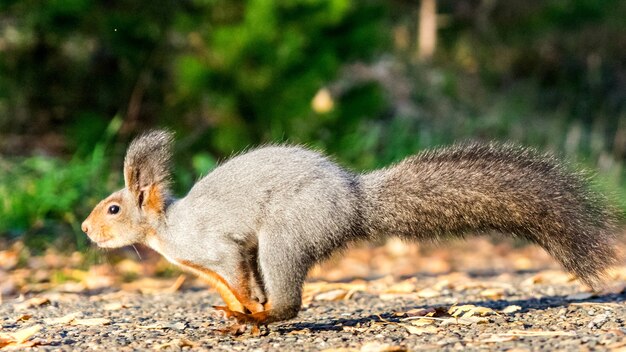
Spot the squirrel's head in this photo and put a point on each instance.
(130, 215)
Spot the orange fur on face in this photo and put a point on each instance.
(117, 230)
(97, 220)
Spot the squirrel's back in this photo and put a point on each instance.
(276, 172)
(282, 191)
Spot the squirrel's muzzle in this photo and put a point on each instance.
(86, 226)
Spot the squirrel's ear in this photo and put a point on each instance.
(147, 169)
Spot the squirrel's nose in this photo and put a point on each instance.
(85, 227)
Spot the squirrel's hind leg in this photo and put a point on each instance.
(234, 289)
(283, 270)
(283, 276)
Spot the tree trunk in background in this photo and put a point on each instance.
(427, 30)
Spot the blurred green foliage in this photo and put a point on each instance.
(43, 196)
(237, 72)
(78, 78)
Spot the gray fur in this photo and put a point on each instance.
(293, 204)
(281, 209)
(478, 188)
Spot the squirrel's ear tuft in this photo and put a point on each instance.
(147, 168)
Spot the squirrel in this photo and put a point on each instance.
(256, 224)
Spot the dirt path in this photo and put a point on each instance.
(470, 295)
(526, 311)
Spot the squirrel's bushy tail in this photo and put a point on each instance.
(482, 187)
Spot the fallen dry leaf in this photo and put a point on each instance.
(469, 310)
(499, 338)
(449, 321)
(405, 286)
(484, 285)
(26, 333)
(33, 302)
(464, 321)
(304, 331)
(352, 329)
(322, 286)
(549, 277)
(381, 347)
(537, 333)
(395, 296)
(71, 287)
(326, 291)
(147, 285)
(17, 339)
(422, 322)
(114, 306)
(23, 317)
(420, 312)
(602, 305)
(164, 325)
(66, 319)
(420, 330)
(428, 293)
(334, 295)
(421, 317)
(91, 321)
(511, 309)
(493, 293)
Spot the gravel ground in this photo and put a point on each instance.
(550, 317)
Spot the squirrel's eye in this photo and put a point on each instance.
(114, 209)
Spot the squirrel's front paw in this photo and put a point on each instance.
(241, 318)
